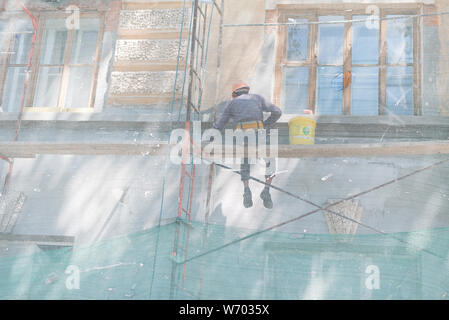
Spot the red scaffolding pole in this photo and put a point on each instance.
(34, 22)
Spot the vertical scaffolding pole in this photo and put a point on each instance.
(197, 64)
(34, 22)
(210, 179)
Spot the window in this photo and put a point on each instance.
(362, 67)
(64, 65)
(326, 270)
(15, 44)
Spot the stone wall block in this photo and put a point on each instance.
(154, 19)
(161, 50)
(144, 83)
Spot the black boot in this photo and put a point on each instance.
(247, 198)
(266, 197)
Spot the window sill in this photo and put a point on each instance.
(375, 120)
(330, 129)
(397, 121)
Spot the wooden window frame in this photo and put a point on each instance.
(35, 66)
(5, 59)
(312, 13)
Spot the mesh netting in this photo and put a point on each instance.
(271, 265)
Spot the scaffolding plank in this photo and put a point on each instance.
(364, 149)
(355, 150)
(50, 240)
(16, 149)
(27, 149)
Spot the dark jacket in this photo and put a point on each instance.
(248, 107)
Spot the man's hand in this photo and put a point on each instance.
(210, 139)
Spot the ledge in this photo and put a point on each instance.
(328, 119)
(330, 129)
(31, 149)
(382, 120)
(46, 240)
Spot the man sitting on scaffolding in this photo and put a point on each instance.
(247, 110)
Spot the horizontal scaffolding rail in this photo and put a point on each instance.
(31, 149)
(43, 240)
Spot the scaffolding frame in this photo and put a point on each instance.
(189, 146)
(198, 56)
(199, 38)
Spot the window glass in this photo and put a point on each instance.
(297, 41)
(365, 41)
(12, 91)
(329, 90)
(399, 40)
(54, 42)
(22, 42)
(296, 85)
(15, 50)
(365, 91)
(399, 92)
(330, 41)
(79, 87)
(21, 49)
(48, 87)
(85, 42)
(3, 40)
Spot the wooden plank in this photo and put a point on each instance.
(53, 109)
(80, 148)
(364, 150)
(21, 155)
(347, 66)
(65, 69)
(284, 151)
(281, 44)
(382, 65)
(31, 92)
(417, 77)
(98, 52)
(313, 53)
(49, 240)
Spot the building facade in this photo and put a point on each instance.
(117, 72)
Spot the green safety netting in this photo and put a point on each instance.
(270, 265)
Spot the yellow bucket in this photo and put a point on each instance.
(302, 130)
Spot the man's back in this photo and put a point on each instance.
(248, 107)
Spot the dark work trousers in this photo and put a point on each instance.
(270, 163)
